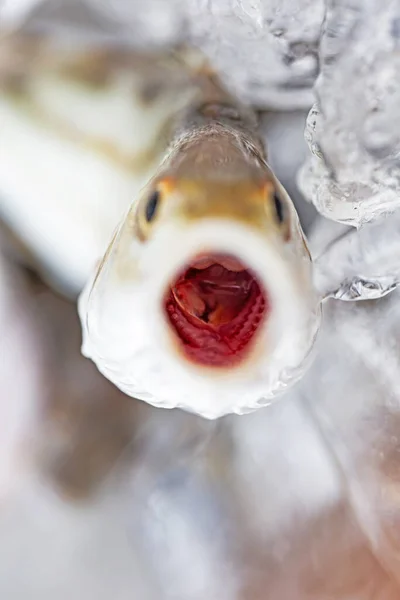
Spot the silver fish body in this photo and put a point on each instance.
(218, 195)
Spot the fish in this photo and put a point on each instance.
(204, 299)
(80, 126)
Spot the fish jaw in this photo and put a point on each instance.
(128, 335)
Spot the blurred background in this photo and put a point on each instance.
(103, 496)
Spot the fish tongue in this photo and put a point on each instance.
(231, 263)
(228, 262)
(202, 263)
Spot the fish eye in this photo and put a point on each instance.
(279, 208)
(151, 206)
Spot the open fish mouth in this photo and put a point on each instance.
(215, 307)
(209, 316)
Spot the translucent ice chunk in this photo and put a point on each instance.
(353, 175)
(361, 264)
(277, 62)
(265, 51)
(353, 390)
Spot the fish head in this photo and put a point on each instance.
(210, 281)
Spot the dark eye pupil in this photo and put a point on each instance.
(151, 206)
(278, 208)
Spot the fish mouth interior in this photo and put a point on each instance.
(215, 306)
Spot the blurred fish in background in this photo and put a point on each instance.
(103, 496)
